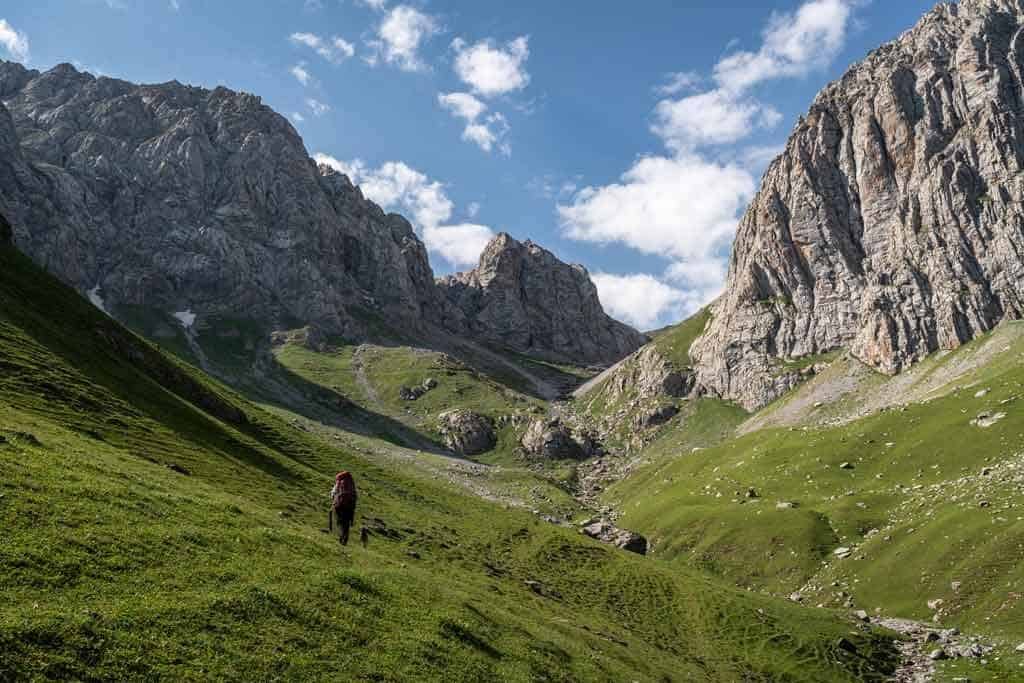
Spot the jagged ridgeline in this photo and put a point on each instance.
(177, 199)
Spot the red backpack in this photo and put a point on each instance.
(344, 491)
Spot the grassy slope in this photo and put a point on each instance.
(911, 507)
(675, 342)
(113, 566)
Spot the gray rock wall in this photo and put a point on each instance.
(893, 223)
(523, 298)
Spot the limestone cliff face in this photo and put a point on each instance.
(523, 298)
(183, 198)
(893, 223)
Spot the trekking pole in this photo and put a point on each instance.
(330, 519)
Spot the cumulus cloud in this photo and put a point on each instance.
(490, 69)
(460, 244)
(794, 44)
(396, 186)
(678, 82)
(642, 300)
(13, 41)
(684, 205)
(316, 107)
(300, 73)
(462, 104)
(335, 50)
(486, 131)
(399, 37)
(711, 118)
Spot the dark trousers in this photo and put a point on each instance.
(345, 516)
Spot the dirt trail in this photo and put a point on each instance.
(594, 382)
(362, 380)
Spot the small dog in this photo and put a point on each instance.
(364, 536)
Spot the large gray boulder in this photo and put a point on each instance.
(466, 432)
(891, 225)
(552, 439)
(521, 297)
(606, 532)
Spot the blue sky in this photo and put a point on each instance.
(625, 136)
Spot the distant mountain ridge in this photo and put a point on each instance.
(522, 297)
(892, 224)
(185, 199)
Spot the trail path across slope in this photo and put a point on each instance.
(594, 382)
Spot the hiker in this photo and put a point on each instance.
(343, 504)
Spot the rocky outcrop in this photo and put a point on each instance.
(648, 374)
(467, 432)
(606, 532)
(554, 440)
(892, 225)
(187, 199)
(521, 297)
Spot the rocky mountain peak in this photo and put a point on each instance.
(185, 199)
(521, 296)
(181, 198)
(891, 225)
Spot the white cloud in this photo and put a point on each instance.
(395, 186)
(300, 73)
(399, 37)
(316, 107)
(492, 70)
(794, 44)
(484, 131)
(462, 104)
(678, 82)
(13, 41)
(758, 158)
(643, 300)
(460, 245)
(334, 50)
(297, 117)
(375, 5)
(549, 187)
(711, 118)
(683, 207)
(473, 209)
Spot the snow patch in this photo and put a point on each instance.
(96, 300)
(186, 318)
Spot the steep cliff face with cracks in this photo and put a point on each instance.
(893, 223)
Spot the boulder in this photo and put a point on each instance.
(467, 432)
(606, 532)
(552, 439)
